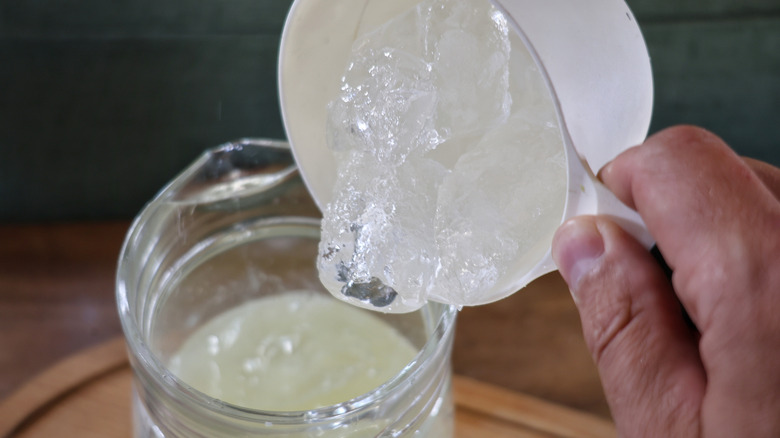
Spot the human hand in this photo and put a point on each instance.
(716, 220)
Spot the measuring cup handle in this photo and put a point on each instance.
(607, 204)
(588, 196)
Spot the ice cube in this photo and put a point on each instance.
(379, 224)
(493, 207)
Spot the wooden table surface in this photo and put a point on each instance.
(57, 297)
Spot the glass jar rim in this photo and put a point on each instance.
(174, 386)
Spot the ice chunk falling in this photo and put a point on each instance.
(450, 160)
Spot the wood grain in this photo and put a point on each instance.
(55, 383)
(527, 412)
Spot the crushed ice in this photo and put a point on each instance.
(439, 170)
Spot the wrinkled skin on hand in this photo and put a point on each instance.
(716, 219)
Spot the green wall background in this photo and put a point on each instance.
(102, 102)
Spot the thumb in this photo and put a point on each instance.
(633, 325)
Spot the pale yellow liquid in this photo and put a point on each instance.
(296, 351)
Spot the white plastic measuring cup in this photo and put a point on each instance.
(591, 53)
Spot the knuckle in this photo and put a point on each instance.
(687, 135)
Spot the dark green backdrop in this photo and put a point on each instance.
(102, 102)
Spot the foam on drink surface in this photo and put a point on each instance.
(295, 351)
(451, 162)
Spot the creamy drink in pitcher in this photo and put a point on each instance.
(292, 352)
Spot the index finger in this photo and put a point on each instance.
(713, 219)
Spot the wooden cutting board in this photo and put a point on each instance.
(88, 395)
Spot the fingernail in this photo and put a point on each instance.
(604, 170)
(577, 249)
